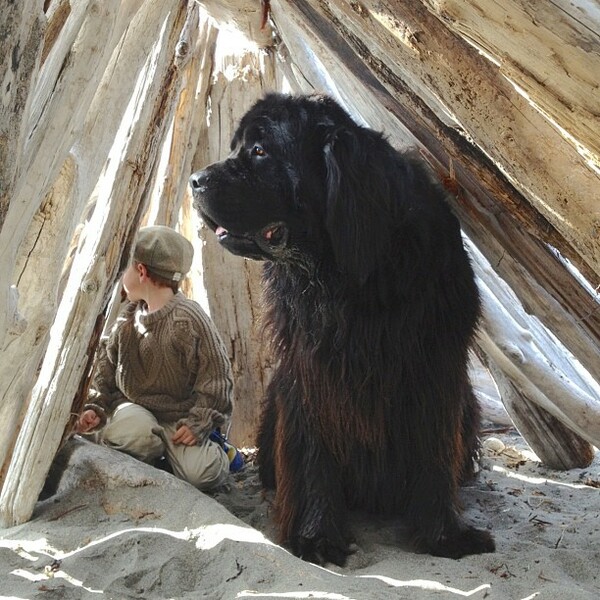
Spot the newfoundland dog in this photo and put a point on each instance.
(371, 306)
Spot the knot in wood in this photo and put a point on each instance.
(182, 49)
(89, 286)
(514, 353)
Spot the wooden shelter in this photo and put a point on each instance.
(108, 106)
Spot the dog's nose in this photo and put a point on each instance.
(198, 180)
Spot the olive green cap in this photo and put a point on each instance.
(164, 252)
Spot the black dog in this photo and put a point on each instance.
(372, 306)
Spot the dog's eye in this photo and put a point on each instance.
(258, 150)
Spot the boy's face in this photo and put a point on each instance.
(132, 282)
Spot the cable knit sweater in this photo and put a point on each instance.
(171, 361)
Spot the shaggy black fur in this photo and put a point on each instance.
(372, 306)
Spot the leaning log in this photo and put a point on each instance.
(20, 46)
(57, 106)
(557, 446)
(517, 347)
(101, 255)
(548, 49)
(40, 245)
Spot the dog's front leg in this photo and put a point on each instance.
(310, 504)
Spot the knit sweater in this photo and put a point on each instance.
(170, 361)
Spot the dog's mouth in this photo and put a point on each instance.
(266, 243)
(273, 235)
(221, 233)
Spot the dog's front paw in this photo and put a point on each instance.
(321, 550)
(322, 536)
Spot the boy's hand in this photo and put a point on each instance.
(88, 419)
(184, 436)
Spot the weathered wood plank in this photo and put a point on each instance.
(107, 242)
(42, 246)
(60, 99)
(171, 178)
(540, 280)
(23, 26)
(20, 48)
(549, 49)
(526, 356)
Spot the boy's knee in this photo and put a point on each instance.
(131, 430)
(146, 447)
(209, 473)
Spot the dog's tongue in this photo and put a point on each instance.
(220, 230)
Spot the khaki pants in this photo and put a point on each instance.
(134, 430)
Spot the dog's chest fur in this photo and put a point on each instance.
(313, 321)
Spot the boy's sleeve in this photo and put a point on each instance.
(103, 395)
(213, 389)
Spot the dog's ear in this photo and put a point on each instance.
(359, 214)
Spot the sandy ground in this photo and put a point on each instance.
(118, 529)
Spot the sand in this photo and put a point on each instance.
(116, 528)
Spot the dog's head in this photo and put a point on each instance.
(302, 181)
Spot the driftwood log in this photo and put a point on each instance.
(119, 203)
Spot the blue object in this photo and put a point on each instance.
(236, 460)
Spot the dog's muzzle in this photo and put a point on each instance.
(266, 244)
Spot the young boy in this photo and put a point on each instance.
(163, 380)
